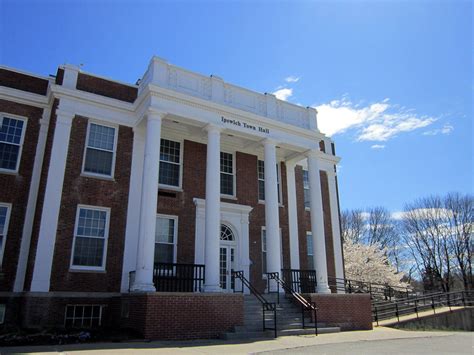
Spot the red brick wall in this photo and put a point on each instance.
(23, 82)
(183, 315)
(96, 192)
(14, 189)
(348, 311)
(107, 88)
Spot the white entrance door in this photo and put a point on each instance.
(227, 265)
(227, 258)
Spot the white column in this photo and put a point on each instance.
(292, 216)
(336, 232)
(317, 223)
(31, 206)
(213, 209)
(146, 238)
(134, 199)
(52, 202)
(272, 220)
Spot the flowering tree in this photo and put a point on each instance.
(369, 263)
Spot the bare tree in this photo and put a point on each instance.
(352, 225)
(438, 231)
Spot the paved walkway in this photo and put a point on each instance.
(379, 341)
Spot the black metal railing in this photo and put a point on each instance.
(301, 281)
(377, 291)
(414, 305)
(306, 306)
(172, 277)
(266, 306)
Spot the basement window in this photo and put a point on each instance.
(83, 316)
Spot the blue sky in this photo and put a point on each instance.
(392, 80)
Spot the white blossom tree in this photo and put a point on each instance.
(369, 263)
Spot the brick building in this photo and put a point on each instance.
(106, 197)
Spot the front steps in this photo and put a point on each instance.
(288, 320)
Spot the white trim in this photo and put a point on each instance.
(234, 174)
(181, 163)
(4, 115)
(86, 146)
(106, 238)
(5, 229)
(175, 233)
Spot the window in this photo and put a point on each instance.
(170, 163)
(2, 313)
(261, 181)
(309, 250)
(227, 174)
(306, 189)
(100, 150)
(165, 239)
(83, 316)
(4, 219)
(12, 134)
(90, 238)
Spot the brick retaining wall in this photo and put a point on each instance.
(348, 311)
(182, 315)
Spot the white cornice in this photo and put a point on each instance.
(224, 110)
(24, 97)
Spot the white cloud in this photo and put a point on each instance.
(292, 79)
(283, 94)
(446, 129)
(378, 121)
(398, 215)
(378, 146)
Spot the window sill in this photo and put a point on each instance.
(228, 197)
(99, 177)
(88, 271)
(170, 188)
(9, 172)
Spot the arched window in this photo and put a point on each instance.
(226, 233)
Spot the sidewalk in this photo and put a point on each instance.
(300, 344)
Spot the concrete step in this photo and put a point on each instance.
(254, 334)
(247, 335)
(308, 331)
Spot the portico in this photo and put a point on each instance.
(225, 118)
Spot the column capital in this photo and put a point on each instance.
(155, 114)
(212, 128)
(269, 141)
(64, 117)
(313, 153)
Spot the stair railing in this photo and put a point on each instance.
(306, 306)
(266, 306)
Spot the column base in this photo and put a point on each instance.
(212, 288)
(324, 288)
(143, 287)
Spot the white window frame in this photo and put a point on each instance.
(106, 239)
(5, 230)
(181, 156)
(307, 208)
(234, 174)
(22, 140)
(175, 234)
(101, 307)
(309, 252)
(281, 247)
(114, 152)
(279, 184)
